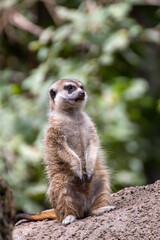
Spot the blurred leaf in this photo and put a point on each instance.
(116, 41)
(137, 89)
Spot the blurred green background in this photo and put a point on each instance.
(114, 49)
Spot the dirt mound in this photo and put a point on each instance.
(137, 216)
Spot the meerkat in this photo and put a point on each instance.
(79, 183)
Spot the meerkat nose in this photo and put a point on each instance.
(81, 93)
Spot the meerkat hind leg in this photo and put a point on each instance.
(69, 219)
(101, 210)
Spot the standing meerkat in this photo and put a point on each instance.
(79, 184)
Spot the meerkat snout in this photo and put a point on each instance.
(81, 94)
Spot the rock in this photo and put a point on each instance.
(137, 216)
(7, 212)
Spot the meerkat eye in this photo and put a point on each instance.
(70, 87)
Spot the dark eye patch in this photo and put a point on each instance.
(70, 88)
(82, 87)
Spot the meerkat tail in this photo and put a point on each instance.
(47, 214)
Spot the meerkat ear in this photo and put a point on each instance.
(52, 93)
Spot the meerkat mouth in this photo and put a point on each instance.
(79, 99)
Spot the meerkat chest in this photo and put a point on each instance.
(77, 136)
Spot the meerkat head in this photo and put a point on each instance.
(67, 94)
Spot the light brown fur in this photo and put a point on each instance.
(79, 184)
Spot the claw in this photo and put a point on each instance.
(89, 176)
(80, 177)
(81, 180)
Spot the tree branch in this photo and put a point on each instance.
(152, 2)
(51, 7)
(20, 21)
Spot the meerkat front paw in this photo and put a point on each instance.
(89, 176)
(69, 219)
(78, 173)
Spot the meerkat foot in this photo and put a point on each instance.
(69, 219)
(101, 210)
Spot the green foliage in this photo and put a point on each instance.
(117, 60)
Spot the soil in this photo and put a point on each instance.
(137, 216)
